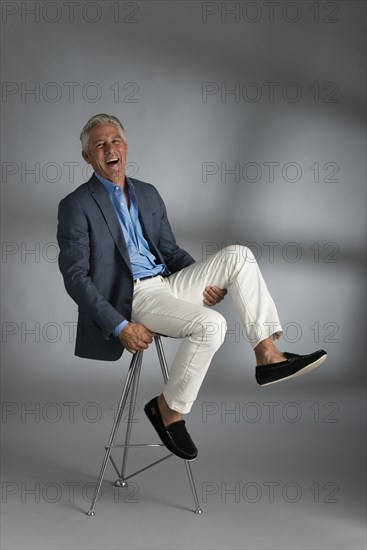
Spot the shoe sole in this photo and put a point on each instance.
(305, 370)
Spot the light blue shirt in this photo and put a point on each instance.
(141, 259)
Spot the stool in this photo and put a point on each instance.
(132, 383)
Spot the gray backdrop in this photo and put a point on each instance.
(249, 118)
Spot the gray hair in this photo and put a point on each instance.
(102, 118)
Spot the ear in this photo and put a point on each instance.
(86, 157)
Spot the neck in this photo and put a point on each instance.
(121, 182)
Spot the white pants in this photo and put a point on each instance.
(173, 306)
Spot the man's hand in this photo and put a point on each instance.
(213, 295)
(135, 337)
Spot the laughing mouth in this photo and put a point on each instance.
(112, 161)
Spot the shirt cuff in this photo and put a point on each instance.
(119, 327)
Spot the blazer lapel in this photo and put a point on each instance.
(101, 197)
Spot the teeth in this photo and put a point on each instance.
(112, 160)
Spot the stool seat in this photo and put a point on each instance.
(131, 387)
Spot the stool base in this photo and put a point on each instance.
(131, 384)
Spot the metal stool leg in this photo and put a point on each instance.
(135, 362)
(163, 363)
(121, 481)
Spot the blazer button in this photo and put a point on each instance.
(127, 301)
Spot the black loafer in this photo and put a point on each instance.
(175, 436)
(295, 365)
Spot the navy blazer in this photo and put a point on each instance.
(95, 265)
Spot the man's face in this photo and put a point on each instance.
(107, 152)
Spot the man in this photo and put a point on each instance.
(122, 266)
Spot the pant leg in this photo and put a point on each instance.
(156, 306)
(233, 267)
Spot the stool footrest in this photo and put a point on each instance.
(125, 478)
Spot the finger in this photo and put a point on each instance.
(209, 294)
(214, 292)
(218, 292)
(213, 287)
(146, 334)
(134, 348)
(221, 291)
(209, 288)
(145, 339)
(209, 291)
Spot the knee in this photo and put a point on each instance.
(214, 328)
(238, 253)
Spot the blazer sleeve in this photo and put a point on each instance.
(74, 263)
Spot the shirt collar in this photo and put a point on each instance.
(110, 186)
